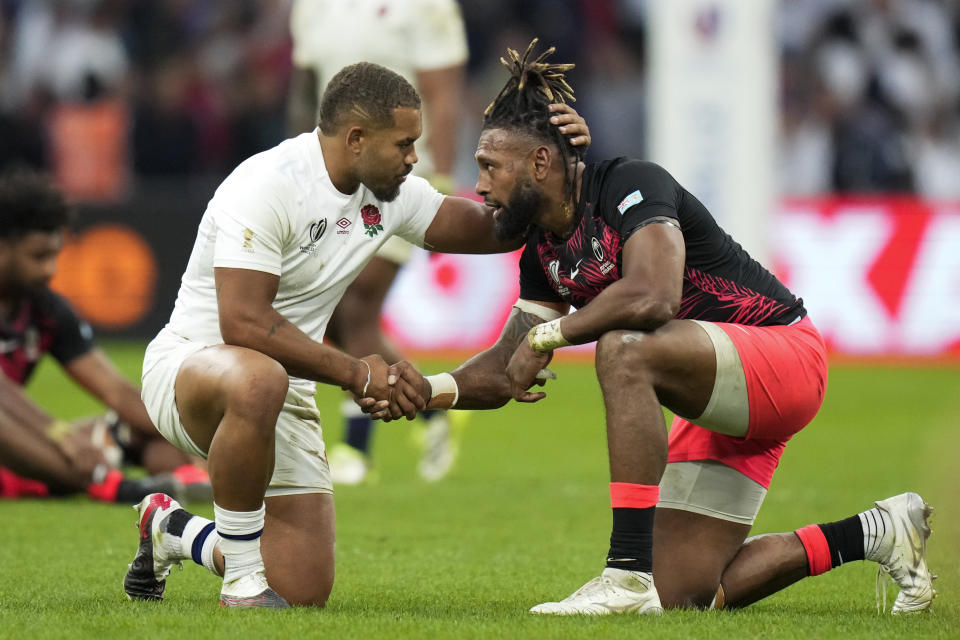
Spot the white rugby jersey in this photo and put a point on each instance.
(405, 36)
(278, 212)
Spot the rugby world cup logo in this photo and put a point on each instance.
(314, 233)
(554, 268)
(317, 229)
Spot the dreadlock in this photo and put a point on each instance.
(522, 104)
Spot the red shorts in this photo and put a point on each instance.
(14, 486)
(786, 373)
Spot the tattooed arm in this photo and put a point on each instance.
(482, 380)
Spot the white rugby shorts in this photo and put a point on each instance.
(300, 464)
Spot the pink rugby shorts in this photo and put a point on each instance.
(786, 373)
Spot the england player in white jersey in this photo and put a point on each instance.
(425, 41)
(231, 377)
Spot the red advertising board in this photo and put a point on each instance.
(880, 278)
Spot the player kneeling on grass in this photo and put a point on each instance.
(232, 376)
(684, 318)
(40, 456)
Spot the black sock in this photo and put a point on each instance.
(631, 541)
(177, 521)
(845, 539)
(358, 432)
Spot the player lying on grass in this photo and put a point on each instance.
(683, 318)
(233, 374)
(40, 455)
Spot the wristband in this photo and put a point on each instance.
(444, 391)
(546, 336)
(58, 430)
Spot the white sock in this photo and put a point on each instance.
(201, 551)
(876, 545)
(240, 533)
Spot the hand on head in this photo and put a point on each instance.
(571, 124)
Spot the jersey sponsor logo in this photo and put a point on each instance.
(344, 224)
(314, 233)
(634, 198)
(248, 236)
(371, 219)
(597, 249)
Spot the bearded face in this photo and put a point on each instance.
(517, 214)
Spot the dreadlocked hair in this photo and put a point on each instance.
(522, 104)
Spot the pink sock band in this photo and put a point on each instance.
(818, 551)
(633, 496)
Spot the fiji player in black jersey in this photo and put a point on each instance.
(39, 455)
(683, 318)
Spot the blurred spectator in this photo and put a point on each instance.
(870, 89)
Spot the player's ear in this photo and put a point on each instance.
(354, 138)
(542, 158)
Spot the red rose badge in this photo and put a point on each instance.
(371, 219)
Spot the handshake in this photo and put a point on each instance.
(390, 392)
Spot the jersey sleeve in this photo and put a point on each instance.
(419, 202)
(439, 37)
(72, 335)
(533, 279)
(252, 222)
(636, 191)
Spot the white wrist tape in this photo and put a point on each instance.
(444, 391)
(546, 336)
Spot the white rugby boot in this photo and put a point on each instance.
(147, 574)
(348, 466)
(439, 449)
(901, 551)
(613, 591)
(249, 591)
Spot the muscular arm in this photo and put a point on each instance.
(646, 296)
(20, 408)
(248, 319)
(482, 379)
(94, 372)
(464, 226)
(441, 90)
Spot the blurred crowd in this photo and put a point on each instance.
(108, 92)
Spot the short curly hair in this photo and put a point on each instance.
(29, 202)
(367, 90)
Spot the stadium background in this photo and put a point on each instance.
(140, 108)
(853, 144)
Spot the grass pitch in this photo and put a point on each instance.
(523, 518)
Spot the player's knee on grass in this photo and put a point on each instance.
(298, 547)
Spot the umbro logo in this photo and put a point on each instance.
(344, 224)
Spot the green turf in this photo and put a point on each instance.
(522, 519)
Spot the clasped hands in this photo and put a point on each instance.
(399, 390)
